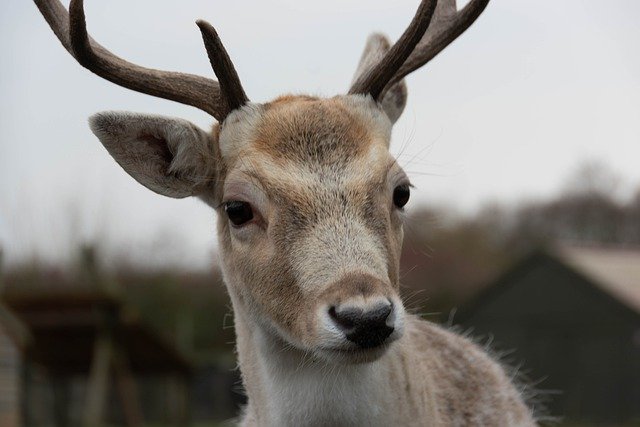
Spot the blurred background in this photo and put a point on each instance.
(522, 139)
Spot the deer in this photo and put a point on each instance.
(310, 207)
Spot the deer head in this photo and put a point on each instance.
(309, 200)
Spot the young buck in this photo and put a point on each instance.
(309, 205)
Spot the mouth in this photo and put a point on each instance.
(354, 355)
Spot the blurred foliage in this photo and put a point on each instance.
(194, 309)
(449, 257)
(191, 309)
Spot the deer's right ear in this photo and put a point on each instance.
(172, 157)
(395, 98)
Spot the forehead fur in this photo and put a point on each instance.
(307, 129)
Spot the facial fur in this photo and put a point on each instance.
(319, 177)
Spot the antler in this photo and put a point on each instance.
(223, 67)
(217, 99)
(446, 25)
(375, 79)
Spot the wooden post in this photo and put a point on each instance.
(185, 410)
(9, 381)
(178, 400)
(98, 386)
(25, 394)
(61, 399)
(127, 389)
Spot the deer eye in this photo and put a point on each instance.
(238, 212)
(401, 195)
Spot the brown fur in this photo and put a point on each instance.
(354, 284)
(311, 130)
(326, 137)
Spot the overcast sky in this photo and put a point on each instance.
(507, 112)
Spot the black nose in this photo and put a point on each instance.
(366, 328)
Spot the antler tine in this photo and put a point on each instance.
(377, 78)
(448, 24)
(70, 28)
(230, 85)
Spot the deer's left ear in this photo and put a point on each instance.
(395, 98)
(172, 157)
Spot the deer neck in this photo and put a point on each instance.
(288, 387)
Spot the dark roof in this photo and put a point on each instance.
(602, 272)
(12, 326)
(65, 324)
(616, 270)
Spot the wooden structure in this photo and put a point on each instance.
(571, 318)
(87, 334)
(14, 338)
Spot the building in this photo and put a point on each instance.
(89, 361)
(14, 338)
(570, 319)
